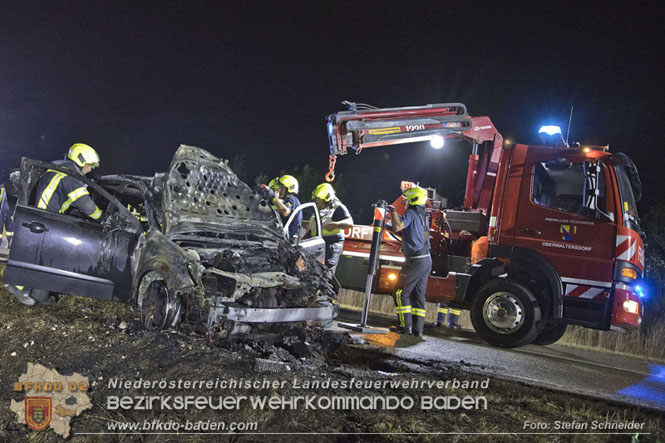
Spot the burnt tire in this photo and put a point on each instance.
(159, 308)
(551, 333)
(505, 314)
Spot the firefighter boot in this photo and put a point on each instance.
(404, 320)
(453, 318)
(21, 294)
(418, 323)
(404, 330)
(441, 314)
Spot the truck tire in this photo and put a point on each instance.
(159, 308)
(505, 314)
(551, 333)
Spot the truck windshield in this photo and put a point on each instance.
(628, 206)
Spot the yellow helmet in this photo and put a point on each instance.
(290, 183)
(274, 184)
(324, 191)
(83, 154)
(416, 196)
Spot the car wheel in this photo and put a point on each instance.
(505, 313)
(551, 333)
(159, 308)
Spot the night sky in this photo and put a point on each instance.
(137, 79)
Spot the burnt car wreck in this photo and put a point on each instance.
(194, 244)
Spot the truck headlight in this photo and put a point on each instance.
(630, 306)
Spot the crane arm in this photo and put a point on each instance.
(363, 126)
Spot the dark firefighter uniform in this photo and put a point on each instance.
(412, 281)
(282, 190)
(58, 192)
(292, 202)
(330, 209)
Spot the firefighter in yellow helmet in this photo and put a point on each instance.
(335, 218)
(412, 281)
(61, 192)
(281, 194)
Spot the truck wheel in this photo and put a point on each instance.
(159, 308)
(551, 333)
(505, 313)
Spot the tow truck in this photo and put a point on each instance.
(562, 237)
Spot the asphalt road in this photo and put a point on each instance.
(590, 373)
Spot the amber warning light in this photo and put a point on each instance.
(630, 273)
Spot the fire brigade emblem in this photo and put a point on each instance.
(568, 232)
(38, 412)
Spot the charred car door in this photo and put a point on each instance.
(69, 253)
(315, 245)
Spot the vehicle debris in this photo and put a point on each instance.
(265, 365)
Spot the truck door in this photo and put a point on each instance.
(552, 221)
(72, 254)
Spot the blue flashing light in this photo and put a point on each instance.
(640, 291)
(550, 130)
(330, 128)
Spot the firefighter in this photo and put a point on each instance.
(335, 218)
(412, 281)
(60, 192)
(284, 201)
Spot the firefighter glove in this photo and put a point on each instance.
(267, 193)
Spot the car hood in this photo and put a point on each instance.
(202, 191)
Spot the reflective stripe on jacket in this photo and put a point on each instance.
(57, 192)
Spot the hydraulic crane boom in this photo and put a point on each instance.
(364, 126)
